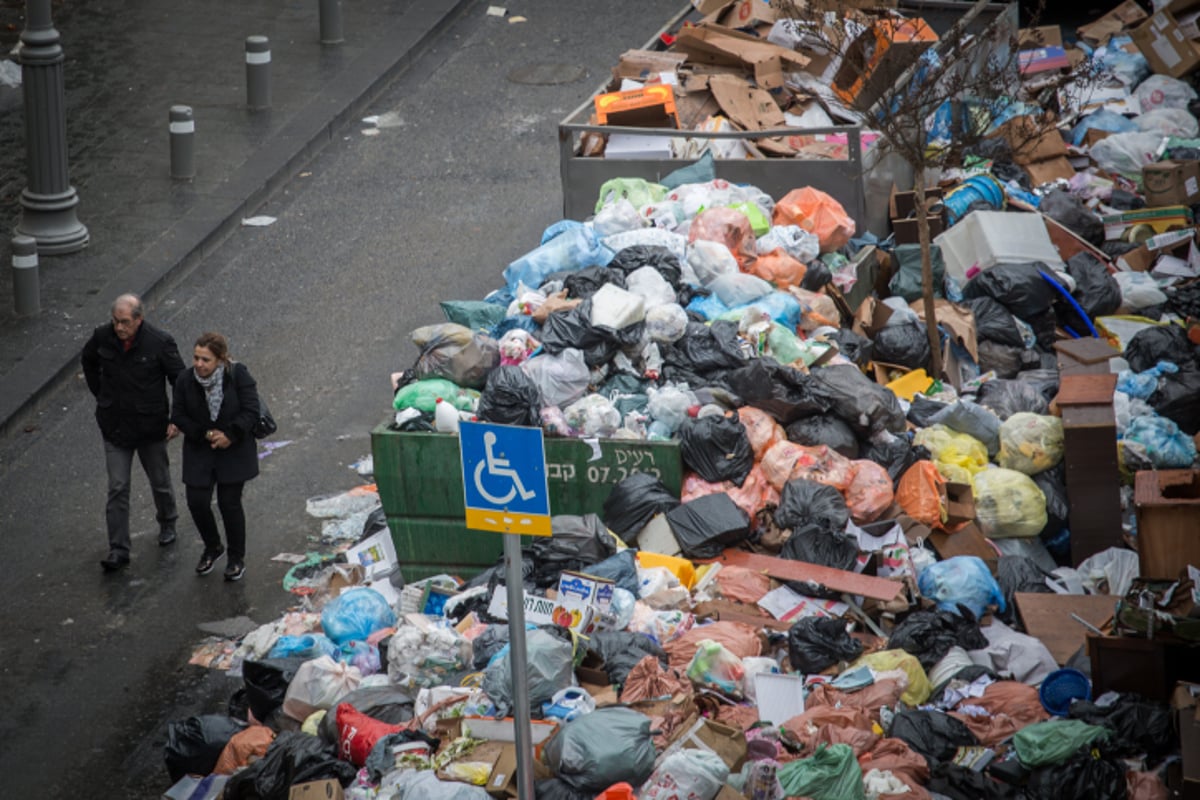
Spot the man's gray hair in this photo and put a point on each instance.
(132, 301)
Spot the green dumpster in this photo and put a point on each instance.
(419, 476)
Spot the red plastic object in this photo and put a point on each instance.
(618, 791)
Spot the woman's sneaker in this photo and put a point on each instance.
(234, 571)
(208, 561)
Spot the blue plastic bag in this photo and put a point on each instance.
(1164, 444)
(566, 245)
(363, 655)
(962, 580)
(781, 306)
(356, 614)
(309, 646)
(1103, 120)
(1143, 384)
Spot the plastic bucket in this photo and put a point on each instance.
(980, 187)
(1061, 687)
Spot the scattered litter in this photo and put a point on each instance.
(261, 221)
(496, 11)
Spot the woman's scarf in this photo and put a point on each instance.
(214, 391)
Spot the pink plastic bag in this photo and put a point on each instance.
(730, 228)
(762, 430)
(818, 213)
(870, 491)
(787, 460)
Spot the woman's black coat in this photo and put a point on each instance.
(202, 465)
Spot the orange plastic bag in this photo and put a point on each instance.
(736, 637)
(787, 460)
(870, 491)
(730, 228)
(743, 585)
(755, 493)
(245, 746)
(921, 492)
(818, 213)
(778, 267)
(761, 429)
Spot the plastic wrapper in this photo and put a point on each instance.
(933, 734)
(660, 626)
(478, 315)
(817, 643)
(618, 217)
(687, 773)
(1176, 122)
(806, 505)
(786, 460)
(1020, 288)
(1009, 504)
(919, 688)
(356, 614)
(319, 684)
(669, 404)
(704, 527)
(868, 407)
(666, 323)
(714, 667)
(560, 378)
(1139, 290)
(753, 496)
(1030, 443)
(728, 227)
(797, 242)
(957, 456)
(1163, 91)
(817, 310)
(824, 429)
(510, 398)
(419, 659)
(455, 353)
(307, 646)
(592, 415)
(633, 502)
(1126, 153)
(594, 751)
(972, 419)
(1008, 397)
(549, 668)
(615, 308)
(1160, 443)
(778, 267)
(717, 448)
(870, 492)
(761, 429)
(710, 260)
(816, 212)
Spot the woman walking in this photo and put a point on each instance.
(216, 406)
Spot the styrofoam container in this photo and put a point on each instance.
(985, 239)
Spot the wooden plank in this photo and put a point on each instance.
(738, 612)
(1087, 390)
(835, 579)
(969, 541)
(1087, 351)
(1048, 617)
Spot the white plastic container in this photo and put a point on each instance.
(985, 239)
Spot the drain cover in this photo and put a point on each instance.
(547, 74)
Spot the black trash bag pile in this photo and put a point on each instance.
(1019, 574)
(1008, 397)
(1159, 343)
(707, 351)
(929, 635)
(266, 682)
(962, 783)
(586, 282)
(1178, 399)
(1097, 292)
(293, 757)
(574, 329)
(622, 650)
(817, 643)
(827, 429)
(716, 448)
(854, 347)
(994, 323)
(510, 398)
(1053, 483)
(634, 502)
(1139, 725)
(1045, 380)
(895, 455)
(1095, 776)
(785, 393)
(389, 704)
(194, 744)
(1004, 360)
(905, 344)
(922, 409)
(861, 402)
(574, 543)
(808, 505)
(704, 527)
(1069, 211)
(1020, 288)
(594, 751)
(816, 277)
(812, 546)
(934, 735)
(661, 259)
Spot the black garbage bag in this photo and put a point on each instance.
(1178, 399)
(854, 347)
(994, 323)
(1095, 776)
(1158, 343)
(908, 279)
(1018, 287)
(293, 757)
(895, 455)
(929, 635)
(817, 643)
(620, 568)
(932, 734)
(266, 683)
(510, 398)
(622, 650)
(826, 429)
(1045, 380)
(194, 744)
(962, 783)
(1139, 725)
(807, 504)
(1069, 211)
(1004, 360)
(1123, 200)
(783, 392)
(706, 349)
(704, 527)
(1097, 292)
(1018, 574)
(1053, 483)
(631, 259)
(922, 409)
(584, 283)
(905, 344)
(573, 328)
(594, 751)
(574, 543)
(816, 277)
(1045, 328)
(555, 789)
(382, 758)
(716, 448)
(868, 407)
(1007, 397)
(812, 546)
(487, 644)
(633, 502)
(389, 704)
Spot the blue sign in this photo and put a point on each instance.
(504, 478)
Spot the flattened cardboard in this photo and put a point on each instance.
(752, 108)
(1126, 15)
(715, 45)
(639, 65)
(727, 742)
(960, 503)
(328, 789)
(744, 14)
(1165, 47)
(503, 780)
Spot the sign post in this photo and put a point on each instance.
(504, 482)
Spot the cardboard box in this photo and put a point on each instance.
(726, 741)
(1166, 48)
(648, 107)
(710, 44)
(1159, 220)
(1038, 148)
(1171, 183)
(1126, 15)
(328, 789)
(744, 14)
(907, 233)
(960, 503)
(878, 57)
(503, 781)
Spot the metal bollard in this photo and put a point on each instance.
(182, 127)
(27, 298)
(331, 21)
(258, 72)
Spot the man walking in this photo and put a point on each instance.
(127, 364)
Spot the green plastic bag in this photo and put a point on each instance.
(1055, 741)
(759, 222)
(478, 315)
(423, 395)
(831, 774)
(906, 282)
(638, 191)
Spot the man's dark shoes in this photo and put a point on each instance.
(208, 561)
(234, 570)
(166, 536)
(114, 562)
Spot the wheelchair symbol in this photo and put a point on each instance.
(498, 467)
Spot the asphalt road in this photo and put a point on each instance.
(369, 237)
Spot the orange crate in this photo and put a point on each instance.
(648, 107)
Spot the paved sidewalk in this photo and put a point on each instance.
(128, 61)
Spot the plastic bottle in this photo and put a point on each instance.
(445, 417)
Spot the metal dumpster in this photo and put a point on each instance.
(419, 476)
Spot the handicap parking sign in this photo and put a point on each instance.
(504, 478)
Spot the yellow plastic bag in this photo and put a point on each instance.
(1030, 443)
(919, 689)
(957, 456)
(1008, 504)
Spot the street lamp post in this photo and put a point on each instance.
(48, 201)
